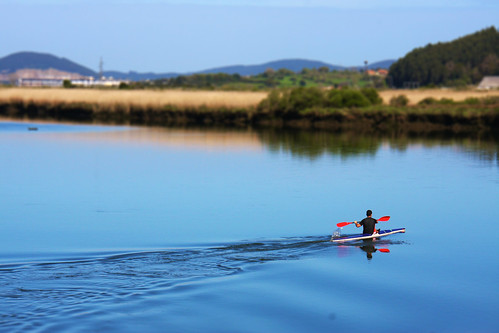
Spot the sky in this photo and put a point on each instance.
(184, 36)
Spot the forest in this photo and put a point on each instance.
(461, 62)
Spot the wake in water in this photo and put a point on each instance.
(31, 292)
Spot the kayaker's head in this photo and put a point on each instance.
(369, 213)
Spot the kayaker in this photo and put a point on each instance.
(369, 249)
(368, 223)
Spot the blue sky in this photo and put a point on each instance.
(182, 36)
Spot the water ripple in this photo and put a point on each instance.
(60, 288)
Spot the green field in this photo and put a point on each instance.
(283, 78)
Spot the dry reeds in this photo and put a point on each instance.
(417, 95)
(187, 99)
(140, 98)
(243, 109)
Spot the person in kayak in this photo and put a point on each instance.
(368, 223)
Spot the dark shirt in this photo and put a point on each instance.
(368, 223)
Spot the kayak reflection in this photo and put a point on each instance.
(367, 246)
(369, 249)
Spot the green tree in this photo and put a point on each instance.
(302, 98)
(67, 84)
(400, 100)
(372, 95)
(323, 69)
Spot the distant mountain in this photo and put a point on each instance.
(33, 60)
(385, 64)
(134, 76)
(295, 65)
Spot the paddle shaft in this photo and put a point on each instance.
(381, 219)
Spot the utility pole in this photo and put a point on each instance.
(101, 69)
(368, 78)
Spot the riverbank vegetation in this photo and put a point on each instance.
(349, 108)
(195, 98)
(335, 109)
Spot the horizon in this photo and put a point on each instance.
(164, 36)
(203, 70)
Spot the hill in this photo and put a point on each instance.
(295, 65)
(465, 60)
(135, 76)
(384, 64)
(34, 60)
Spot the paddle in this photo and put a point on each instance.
(381, 219)
(384, 250)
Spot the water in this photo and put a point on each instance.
(122, 229)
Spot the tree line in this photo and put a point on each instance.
(282, 78)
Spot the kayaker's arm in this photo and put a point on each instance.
(357, 224)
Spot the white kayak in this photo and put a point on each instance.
(381, 233)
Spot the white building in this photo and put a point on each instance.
(91, 82)
(55, 78)
(489, 82)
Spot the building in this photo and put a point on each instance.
(489, 82)
(379, 72)
(42, 77)
(91, 82)
(54, 78)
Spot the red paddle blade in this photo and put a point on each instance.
(342, 224)
(384, 218)
(384, 250)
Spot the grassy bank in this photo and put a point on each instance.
(303, 108)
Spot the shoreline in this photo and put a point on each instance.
(236, 110)
(209, 98)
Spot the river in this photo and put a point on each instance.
(141, 229)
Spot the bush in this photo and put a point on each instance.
(472, 101)
(446, 101)
(302, 98)
(334, 99)
(67, 84)
(354, 98)
(491, 100)
(427, 101)
(349, 98)
(400, 100)
(273, 103)
(372, 95)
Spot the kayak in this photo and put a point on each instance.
(381, 233)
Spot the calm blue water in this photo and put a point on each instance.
(121, 229)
